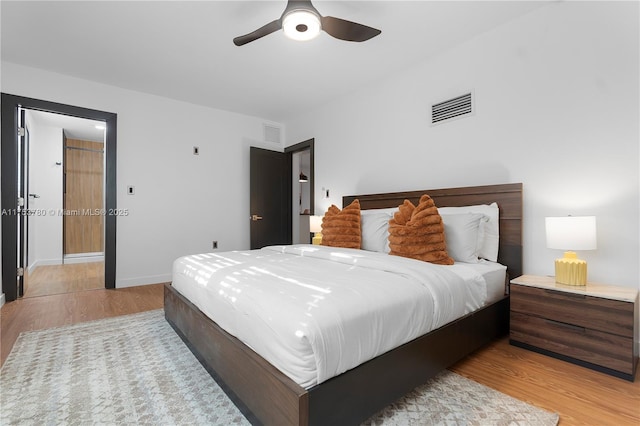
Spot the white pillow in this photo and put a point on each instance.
(388, 210)
(462, 233)
(489, 229)
(375, 230)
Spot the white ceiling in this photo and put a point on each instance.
(183, 50)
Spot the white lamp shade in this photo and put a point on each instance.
(571, 232)
(315, 223)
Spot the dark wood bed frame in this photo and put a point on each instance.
(267, 396)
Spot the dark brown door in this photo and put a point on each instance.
(270, 204)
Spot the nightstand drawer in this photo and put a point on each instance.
(592, 346)
(598, 314)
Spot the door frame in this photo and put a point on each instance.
(9, 178)
(23, 225)
(303, 146)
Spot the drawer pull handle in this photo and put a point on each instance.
(565, 325)
(566, 295)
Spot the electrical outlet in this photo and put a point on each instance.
(215, 245)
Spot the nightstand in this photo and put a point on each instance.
(593, 325)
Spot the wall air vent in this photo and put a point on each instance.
(452, 108)
(271, 133)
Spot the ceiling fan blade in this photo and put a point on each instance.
(347, 30)
(259, 33)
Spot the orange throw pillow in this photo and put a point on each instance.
(342, 228)
(418, 232)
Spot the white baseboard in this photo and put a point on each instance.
(1, 299)
(133, 282)
(87, 254)
(83, 259)
(86, 258)
(44, 262)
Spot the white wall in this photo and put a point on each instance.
(45, 180)
(182, 202)
(556, 109)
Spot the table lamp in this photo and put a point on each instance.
(571, 233)
(315, 226)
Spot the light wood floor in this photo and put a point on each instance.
(56, 279)
(581, 396)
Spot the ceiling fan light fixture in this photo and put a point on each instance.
(301, 25)
(301, 21)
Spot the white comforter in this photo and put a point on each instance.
(315, 312)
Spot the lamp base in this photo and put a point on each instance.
(570, 270)
(317, 238)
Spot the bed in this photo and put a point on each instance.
(266, 395)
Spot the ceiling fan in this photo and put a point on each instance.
(301, 21)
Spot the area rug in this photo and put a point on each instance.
(135, 369)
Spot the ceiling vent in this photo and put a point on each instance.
(452, 108)
(271, 133)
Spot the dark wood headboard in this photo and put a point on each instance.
(507, 196)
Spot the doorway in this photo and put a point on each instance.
(14, 197)
(275, 194)
(303, 171)
(64, 160)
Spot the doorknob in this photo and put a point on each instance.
(34, 196)
(255, 217)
